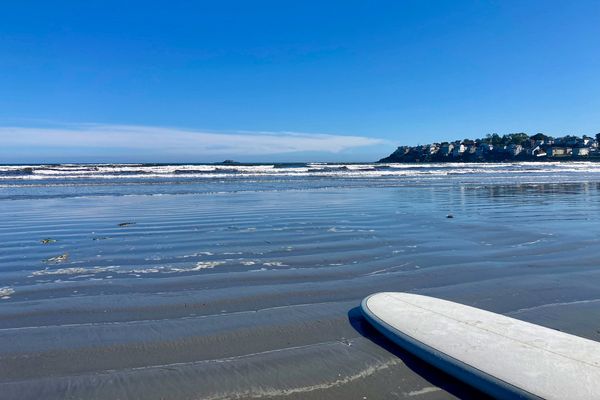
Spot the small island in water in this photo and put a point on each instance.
(496, 148)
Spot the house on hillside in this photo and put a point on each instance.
(433, 148)
(446, 149)
(534, 143)
(557, 151)
(536, 151)
(581, 151)
(514, 149)
(458, 150)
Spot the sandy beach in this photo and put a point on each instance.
(247, 285)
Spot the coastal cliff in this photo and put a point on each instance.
(494, 148)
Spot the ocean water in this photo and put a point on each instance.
(242, 281)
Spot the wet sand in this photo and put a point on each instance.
(255, 294)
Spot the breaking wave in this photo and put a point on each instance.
(148, 171)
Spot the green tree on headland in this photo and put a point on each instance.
(515, 138)
(505, 140)
(493, 139)
(540, 136)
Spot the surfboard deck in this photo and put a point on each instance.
(501, 356)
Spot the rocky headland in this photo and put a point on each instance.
(495, 148)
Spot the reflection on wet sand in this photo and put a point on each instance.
(253, 294)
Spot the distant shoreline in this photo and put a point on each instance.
(507, 161)
(385, 160)
(515, 147)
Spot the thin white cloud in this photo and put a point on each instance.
(144, 139)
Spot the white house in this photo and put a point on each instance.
(536, 151)
(433, 148)
(558, 151)
(581, 151)
(514, 149)
(446, 149)
(458, 150)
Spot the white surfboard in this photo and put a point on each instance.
(502, 356)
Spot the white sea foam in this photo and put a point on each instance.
(198, 254)
(91, 272)
(138, 171)
(152, 270)
(551, 305)
(6, 292)
(425, 390)
(206, 265)
(340, 230)
(275, 264)
(198, 267)
(71, 271)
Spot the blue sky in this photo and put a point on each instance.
(282, 80)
